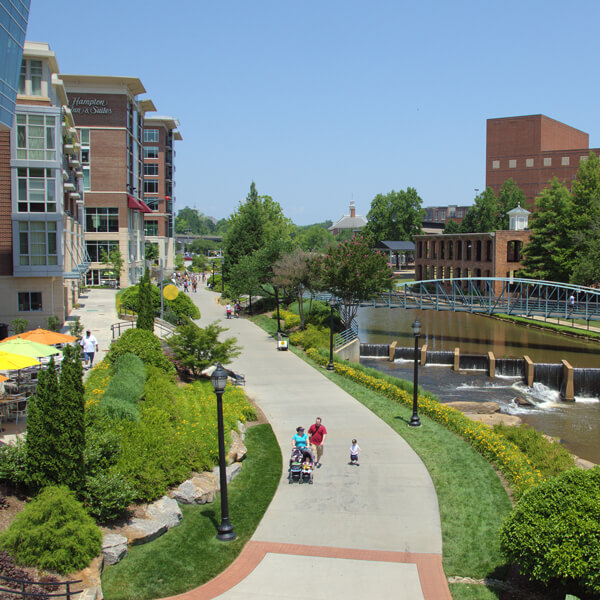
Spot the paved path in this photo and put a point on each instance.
(369, 532)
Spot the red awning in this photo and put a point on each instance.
(137, 204)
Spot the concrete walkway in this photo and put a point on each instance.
(369, 532)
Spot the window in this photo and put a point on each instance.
(150, 135)
(100, 220)
(495, 164)
(529, 162)
(564, 161)
(151, 169)
(36, 190)
(30, 301)
(152, 203)
(547, 162)
(36, 137)
(30, 79)
(84, 137)
(150, 228)
(150, 186)
(512, 164)
(86, 179)
(37, 243)
(150, 151)
(96, 247)
(583, 158)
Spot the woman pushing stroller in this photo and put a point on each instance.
(302, 459)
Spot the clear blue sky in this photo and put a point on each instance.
(321, 102)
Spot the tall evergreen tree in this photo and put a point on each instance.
(42, 446)
(145, 313)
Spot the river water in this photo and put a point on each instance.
(576, 424)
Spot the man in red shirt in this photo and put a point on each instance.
(317, 434)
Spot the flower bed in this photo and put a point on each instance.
(511, 462)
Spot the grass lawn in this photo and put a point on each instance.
(189, 555)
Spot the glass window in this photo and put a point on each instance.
(152, 203)
(36, 137)
(96, 248)
(150, 135)
(150, 228)
(35, 70)
(84, 137)
(100, 220)
(37, 243)
(151, 169)
(150, 151)
(36, 190)
(86, 178)
(30, 301)
(150, 186)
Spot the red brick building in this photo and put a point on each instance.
(532, 150)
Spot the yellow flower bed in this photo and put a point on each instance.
(97, 383)
(513, 464)
(290, 319)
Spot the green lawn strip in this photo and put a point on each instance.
(189, 555)
(471, 591)
(555, 327)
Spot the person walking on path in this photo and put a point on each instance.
(300, 439)
(354, 450)
(317, 433)
(228, 309)
(90, 346)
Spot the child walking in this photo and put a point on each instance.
(354, 450)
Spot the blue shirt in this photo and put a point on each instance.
(301, 440)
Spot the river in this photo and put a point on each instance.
(576, 424)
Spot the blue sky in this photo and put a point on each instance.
(322, 102)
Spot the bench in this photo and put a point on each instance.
(238, 379)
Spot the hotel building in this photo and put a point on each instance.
(109, 118)
(42, 256)
(159, 182)
(532, 150)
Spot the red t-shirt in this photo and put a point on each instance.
(316, 434)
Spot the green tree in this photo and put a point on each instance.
(197, 348)
(244, 278)
(549, 254)
(145, 308)
(395, 216)
(314, 239)
(179, 262)
(483, 216)
(151, 252)
(452, 227)
(114, 261)
(510, 196)
(353, 272)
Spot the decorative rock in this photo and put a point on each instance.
(165, 510)
(482, 408)
(494, 419)
(141, 531)
(237, 450)
(232, 471)
(197, 490)
(520, 401)
(114, 548)
(241, 427)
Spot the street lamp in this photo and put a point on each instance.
(225, 529)
(222, 274)
(276, 288)
(414, 420)
(330, 366)
(212, 281)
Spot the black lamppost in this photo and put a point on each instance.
(212, 281)
(222, 274)
(330, 366)
(414, 420)
(225, 529)
(276, 288)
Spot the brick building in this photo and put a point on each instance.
(460, 255)
(159, 182)
(109, 119)
(42, 256)
(442, 214)
(351, 222)
(532, 150)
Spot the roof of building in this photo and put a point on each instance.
(396, 246)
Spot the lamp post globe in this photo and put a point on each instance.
(225, 531)
(414, 420)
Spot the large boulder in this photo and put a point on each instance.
(232, 471)
(494, 419)
(141, 531)
(200, 489)
(114, 548)
(482, 408)
(241, 427)
(165, 510)
(237, 449)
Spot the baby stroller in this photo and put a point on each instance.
(301, 466)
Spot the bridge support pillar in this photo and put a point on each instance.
(392, 354)
(529, 370)
(423, 355)
(456, 365)
(567, 388)
(491, 364)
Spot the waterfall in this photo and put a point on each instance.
(440, 357)
(473, 362)
(510, 367)
(380, 350)
(587, 382)
(548, 374)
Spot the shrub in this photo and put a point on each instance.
(550, 458)
(144, 344)
(311, 337)
(53, 532)
(13, 463)
(19, 325)
(290, 319)
(107, 495)
(553, 532)
(54, 323)
(125, 388)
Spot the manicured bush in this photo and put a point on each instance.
(53, 532)
(125, 389)
(145, 308)
(107, 495)
(289, 319)
(13, 463)
(550, 458)
(311, 337)
(553, 532)
(144, 344)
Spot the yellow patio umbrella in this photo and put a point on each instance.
(28, 348)
(43, 336)
(13, 362)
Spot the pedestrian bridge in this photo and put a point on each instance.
(494, 295)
